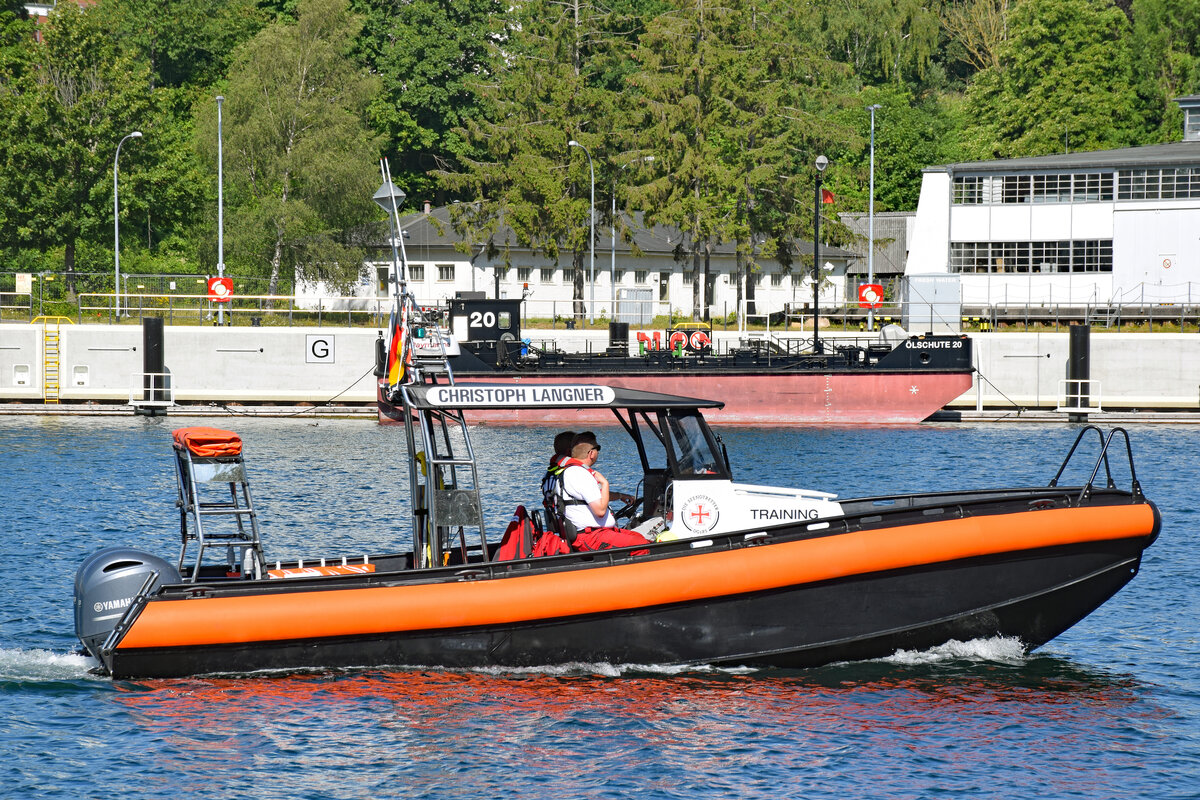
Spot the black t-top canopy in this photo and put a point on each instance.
(548, 395)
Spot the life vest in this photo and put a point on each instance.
(517, 541)
(562, 500)
(550, 544)
(522, 539)
(550, 491)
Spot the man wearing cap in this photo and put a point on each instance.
(586, 495)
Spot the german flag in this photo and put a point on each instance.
(397, 355)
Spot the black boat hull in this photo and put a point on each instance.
(1031, 595)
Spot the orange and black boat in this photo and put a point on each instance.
(737, 574)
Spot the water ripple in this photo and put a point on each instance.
(1109, 710)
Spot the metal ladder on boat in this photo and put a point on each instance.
(443, 472)
(239, 536)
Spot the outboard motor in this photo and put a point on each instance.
(106, 584)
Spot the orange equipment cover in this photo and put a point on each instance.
(312, 572)
(209, 442)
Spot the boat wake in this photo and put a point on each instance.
(605, 670)
(998, 649)
(45, 665)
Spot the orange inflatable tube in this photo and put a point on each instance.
(275, 616)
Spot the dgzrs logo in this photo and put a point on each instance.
(700, 514)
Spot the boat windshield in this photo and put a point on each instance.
(693, 447)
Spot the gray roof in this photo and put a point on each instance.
(433, 229)
(1150, 155)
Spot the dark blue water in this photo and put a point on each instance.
(1109, 710)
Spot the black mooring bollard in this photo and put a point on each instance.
(1079, 372)
(154, 381)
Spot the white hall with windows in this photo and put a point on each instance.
(642, 275)
(1106, 227)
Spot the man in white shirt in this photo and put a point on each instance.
(586, 496)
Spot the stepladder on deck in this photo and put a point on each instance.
(216, 511)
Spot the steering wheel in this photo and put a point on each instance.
(627, 510)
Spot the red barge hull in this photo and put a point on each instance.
(850, 398)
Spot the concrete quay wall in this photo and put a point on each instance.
(103, 363)
(277, 365)
(1129, 371)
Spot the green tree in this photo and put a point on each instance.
(63, 119)
(1166, 64)
(979, 27)
(300, 159)
(689, 60)
(430, 56)
(883, 40)
(185, 43)
(527, 179)
(911, 133)
(738, 99)
(1064, 82)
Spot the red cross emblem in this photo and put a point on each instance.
(699, 514)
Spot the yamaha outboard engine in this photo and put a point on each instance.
(105, 586)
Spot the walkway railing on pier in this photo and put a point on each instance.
(347, 311)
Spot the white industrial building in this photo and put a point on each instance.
(646, 283)
(1103, 228)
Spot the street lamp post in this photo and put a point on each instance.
(871, 219)
(612, 268)
(117, 227)
(220, 210)
(592, 230)
(822, 163)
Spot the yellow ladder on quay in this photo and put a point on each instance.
(51, 379)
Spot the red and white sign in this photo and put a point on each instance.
(694, 341)
(700, 513)
(220, 290)
(870, 295)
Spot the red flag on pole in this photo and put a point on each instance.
(826, 196)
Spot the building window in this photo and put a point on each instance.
(546, 274)
(688, 277)
(445, 272)
(524, 273)
(1065, 187)
(382, 274)
(640, 276)
(968, 190)
(1016, 189)
(1051, 189)
(776, 279)
(502, 273)
(619, 279)
(1169, 183)
(999, 258)
(1191, 124)
(664, 286)
(1093, 187)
